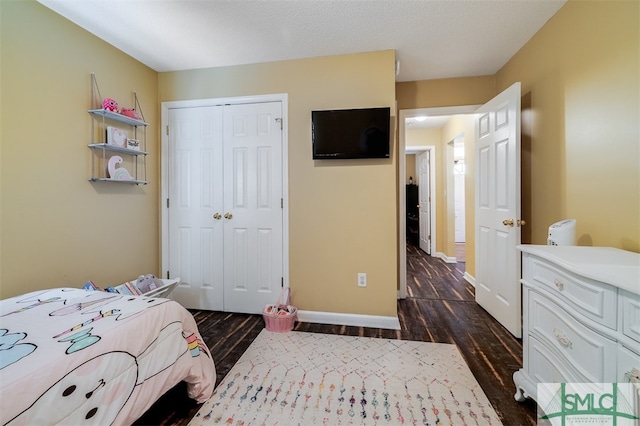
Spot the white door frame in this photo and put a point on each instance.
(402, 167)
(164, 167)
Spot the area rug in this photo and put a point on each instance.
(298, 378)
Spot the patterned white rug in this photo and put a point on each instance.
(320, 379)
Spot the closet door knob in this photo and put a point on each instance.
(507, 222)
(217, 216)
(228, 215)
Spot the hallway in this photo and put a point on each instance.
(431, 278)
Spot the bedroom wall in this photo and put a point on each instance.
(461, 125)
(342, 214)
(445, 92)
(57, 228)
(580, 83)
(410, 171)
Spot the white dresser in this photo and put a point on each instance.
(581, 320)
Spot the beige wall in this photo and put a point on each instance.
(342, 217)
(460, 125)
(445, 92)
(422, 137)
(410, 161)
(57, 228)
(581, 138)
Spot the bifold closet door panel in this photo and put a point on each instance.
(253, 240)
(196, 228)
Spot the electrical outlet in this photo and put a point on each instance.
(362, 279)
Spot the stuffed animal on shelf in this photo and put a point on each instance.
(131, 113)
(110, 105)
(119, 172)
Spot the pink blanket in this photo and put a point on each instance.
(76, 357)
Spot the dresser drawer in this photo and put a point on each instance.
(591, 354)
(593, 299)
(545, 367)
(628, 365)
(630, 306)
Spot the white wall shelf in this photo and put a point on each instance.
(108, 147)
(131, 166)
(117, 117)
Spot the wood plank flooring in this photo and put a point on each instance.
(440, 308)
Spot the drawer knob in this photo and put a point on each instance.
(559, 284)
(562, 338)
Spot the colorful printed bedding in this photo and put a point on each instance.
(76, 357)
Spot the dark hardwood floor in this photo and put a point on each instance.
(440, 308)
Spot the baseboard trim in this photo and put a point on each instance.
(446, 258)
(470, 279)
(354, 320)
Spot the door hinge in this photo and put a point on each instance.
(168, 275)
(282, 203)
(167, 130)
(282, 282)
(279, 120)
(167, 203)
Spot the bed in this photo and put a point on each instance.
(76, 357)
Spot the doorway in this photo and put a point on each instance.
(418, 202)
(496, 184)
(408, 147)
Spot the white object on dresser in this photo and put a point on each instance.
(581, 316)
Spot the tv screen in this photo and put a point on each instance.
(350, 133)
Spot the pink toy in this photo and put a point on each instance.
(131, 113)
(110, 105)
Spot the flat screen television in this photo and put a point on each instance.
(350, 133)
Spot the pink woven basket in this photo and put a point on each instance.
(281, 316)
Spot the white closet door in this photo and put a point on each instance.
(195, 170)
(253, 214)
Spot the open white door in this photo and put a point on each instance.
(424, 200)
(498, 208)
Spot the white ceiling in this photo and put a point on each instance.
(426, 121)
(432, 38)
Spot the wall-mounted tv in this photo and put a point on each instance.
(350, 133)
